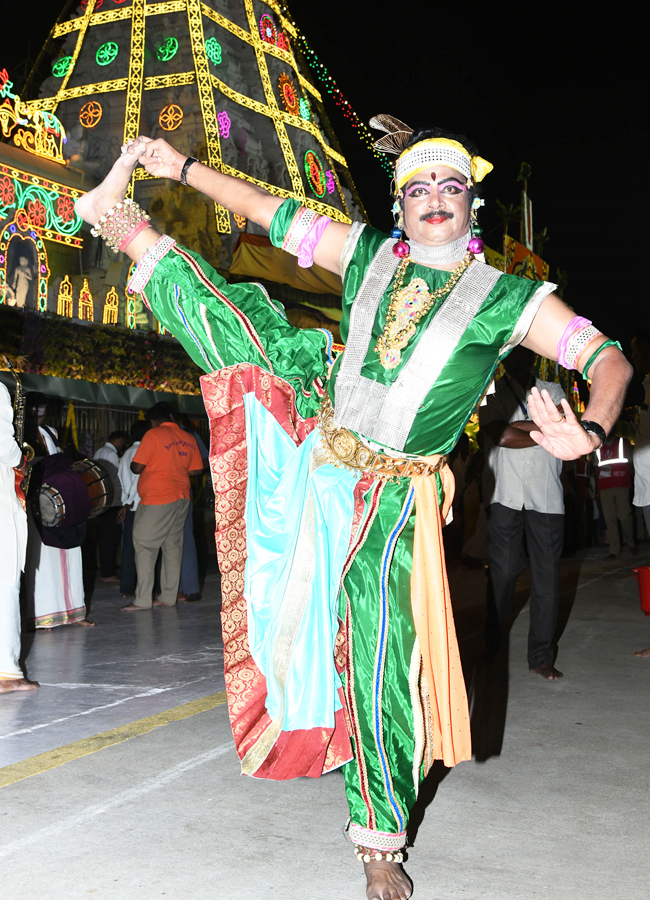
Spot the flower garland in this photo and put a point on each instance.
(53, 345)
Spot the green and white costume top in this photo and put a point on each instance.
(422, 405)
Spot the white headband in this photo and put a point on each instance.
(441, 151)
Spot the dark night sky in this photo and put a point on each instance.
(563, 93)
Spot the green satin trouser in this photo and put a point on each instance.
(382, 678)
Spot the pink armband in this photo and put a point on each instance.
(577, 335)
(304, 233)
(310, 241)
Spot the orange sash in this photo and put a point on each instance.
(434, 622)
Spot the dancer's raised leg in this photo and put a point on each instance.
(93, 205)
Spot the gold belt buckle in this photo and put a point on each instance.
(344, 449)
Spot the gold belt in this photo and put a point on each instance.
(344, 449)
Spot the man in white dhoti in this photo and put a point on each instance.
(13, 543)
(53, 576)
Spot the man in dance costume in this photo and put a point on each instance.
(330, 476)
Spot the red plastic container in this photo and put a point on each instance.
(642, 575)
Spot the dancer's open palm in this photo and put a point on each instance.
(561, 435)
(160, 159)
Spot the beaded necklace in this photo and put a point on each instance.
(407, 306)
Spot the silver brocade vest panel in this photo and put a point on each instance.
(385, 413)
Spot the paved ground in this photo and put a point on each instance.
(129, 666)
(555, 808)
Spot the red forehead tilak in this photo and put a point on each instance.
(433, 176)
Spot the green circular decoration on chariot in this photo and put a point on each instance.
(167, 49)
(106, 53)
(213, 50)
(315, 173)
(60, 66)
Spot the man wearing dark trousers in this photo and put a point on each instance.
(523, 496)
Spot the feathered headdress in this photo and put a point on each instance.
(426, 152)
(397, 135)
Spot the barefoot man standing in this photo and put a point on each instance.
(330, 476)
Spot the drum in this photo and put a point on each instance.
(72, 495)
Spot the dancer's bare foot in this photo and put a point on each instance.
(92, 206)
(158, 602)
(645, 653)
(133, 608)
(7, 685)
(85, 623)
(387, 881)
(550, 673)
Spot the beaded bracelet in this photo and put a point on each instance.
(120, 224)
(366, 854)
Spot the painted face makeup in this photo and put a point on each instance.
(435, 208)
(449, 187)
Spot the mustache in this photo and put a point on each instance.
(440, 212)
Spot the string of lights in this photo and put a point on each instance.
(322, 73)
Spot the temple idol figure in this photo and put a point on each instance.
(21, 283)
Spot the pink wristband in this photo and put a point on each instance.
(576, 324)
(308, 244)
(132, 234)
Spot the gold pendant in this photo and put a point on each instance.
(407, 307)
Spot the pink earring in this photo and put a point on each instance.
(400, 247)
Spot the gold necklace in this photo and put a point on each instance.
(407, 306)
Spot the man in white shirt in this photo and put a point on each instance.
(641, 361)
(108, 523)
(130, 501)
(523, 495)
(13, 544)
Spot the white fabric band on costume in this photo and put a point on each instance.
(150, 258)
(304, 234)
(428, 255)
(350, 245)
(577, 344)
(376, 840)
(425, 154)
(300, 224)
(385, 413)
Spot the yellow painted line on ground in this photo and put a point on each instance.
(35, 765)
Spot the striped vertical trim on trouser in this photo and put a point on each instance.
(379, 781)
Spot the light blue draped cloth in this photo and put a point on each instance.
(298, 515)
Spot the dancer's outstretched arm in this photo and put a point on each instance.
(236, 195)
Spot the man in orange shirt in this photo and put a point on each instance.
(165, 460)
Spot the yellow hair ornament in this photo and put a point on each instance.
(480, 168)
